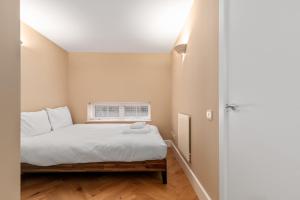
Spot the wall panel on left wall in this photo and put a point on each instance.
(10, 100)
(43, 70)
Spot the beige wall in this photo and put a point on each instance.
(43, 70)
(10, 100)
(95, 77)
(195, 89)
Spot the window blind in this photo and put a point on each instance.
(129, 111)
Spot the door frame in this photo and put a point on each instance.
(223, 100)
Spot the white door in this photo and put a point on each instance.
(260, 59)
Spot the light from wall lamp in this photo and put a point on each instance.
(181, 48)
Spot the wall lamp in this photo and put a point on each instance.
(181, 48)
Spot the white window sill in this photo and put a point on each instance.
(116, 121)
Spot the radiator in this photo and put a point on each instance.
(184, 136)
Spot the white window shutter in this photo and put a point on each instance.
(121, 111)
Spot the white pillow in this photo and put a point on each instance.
(59, 117)
(35, 123)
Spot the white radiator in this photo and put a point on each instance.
(184, 136)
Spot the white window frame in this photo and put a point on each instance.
(91, 112)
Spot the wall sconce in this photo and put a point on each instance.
(181, 48)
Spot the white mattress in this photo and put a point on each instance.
(86, 143)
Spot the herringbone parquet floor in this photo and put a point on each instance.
(109, 186)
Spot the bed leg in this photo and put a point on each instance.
(164, 177)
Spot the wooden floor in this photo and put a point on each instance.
(109, 186)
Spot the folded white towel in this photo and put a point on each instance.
(138, 125)
(144, 130)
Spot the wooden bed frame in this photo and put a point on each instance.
(141, 166)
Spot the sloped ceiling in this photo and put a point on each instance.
(112, 26)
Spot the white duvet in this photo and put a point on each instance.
(85, 143)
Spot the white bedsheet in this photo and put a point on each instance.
(85, 143)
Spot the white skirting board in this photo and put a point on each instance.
(198, 187)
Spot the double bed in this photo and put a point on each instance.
(95, 148)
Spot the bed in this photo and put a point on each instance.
(95, 148)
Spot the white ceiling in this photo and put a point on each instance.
(108, 25)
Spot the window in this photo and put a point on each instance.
(120, 111)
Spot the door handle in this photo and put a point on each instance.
(231, 107)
